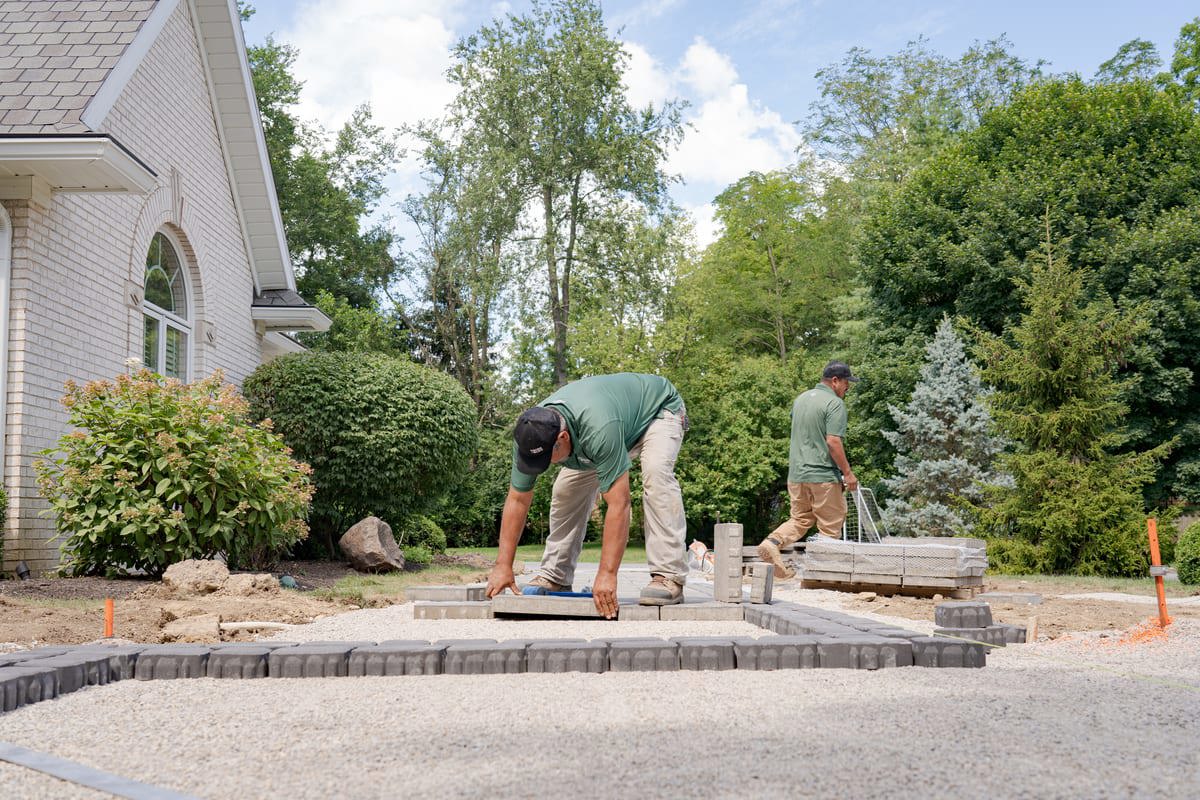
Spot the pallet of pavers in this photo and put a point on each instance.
(805, 638)
(897, 565)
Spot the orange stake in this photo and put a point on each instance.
(1156, 569)
(108, 618)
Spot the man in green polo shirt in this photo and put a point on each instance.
(594, 427)
(818, 472)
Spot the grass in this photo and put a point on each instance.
(388, 588)
(532, 553)
(1092, 583)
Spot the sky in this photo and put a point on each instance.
(746, 68)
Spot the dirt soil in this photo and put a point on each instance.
(71, 610)
(1056, 615)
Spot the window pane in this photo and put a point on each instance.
(150, 343)
(158, 289)
(164, 277)
(176, 355)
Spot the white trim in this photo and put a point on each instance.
(276, 344)
(289, 318)
(186, 326)
(119, 76)
(6, 242)
(78, 163)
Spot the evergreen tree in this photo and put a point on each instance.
(1076, 505)
(945, 450)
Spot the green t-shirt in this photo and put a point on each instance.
(817, 413)
(606, 416)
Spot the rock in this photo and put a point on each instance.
(200, 628)
(248, 585)
(868, 597)
(938, 598)
(370, 547)
(195, 577)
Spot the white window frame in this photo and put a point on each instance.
(166, 318)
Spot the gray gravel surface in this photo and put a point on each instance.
(28, 784)
(1079, 718)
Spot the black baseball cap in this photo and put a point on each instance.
(534, 434)
(838, 369)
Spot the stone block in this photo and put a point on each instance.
(762, 581)
(1013, 634)
(632, 612)
(350, 643)
(450, 609)
(21, 656)
(310, 661)
(468, 592)
(643, 656)
(827, 576)
(933, 651)
(776, 652)
(168, 662)
(122, 659)
(558, 656)
(268, 645)
(405, 642)
(876, 579)
(444, 643)
(484, 659)
(1011, 598)
(77, 670)
(22, 685)
(727, 566)
(246, 661)
(874, 652)
(512, 605)
(992, 635)
(754, 615)
(705, 653)
(834, 654)
(962, 614)
(396, 659)
(695, 612)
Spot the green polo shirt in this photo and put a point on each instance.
(606, 416)
(817, 413)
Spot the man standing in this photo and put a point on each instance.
(818, 472)
(594, 427)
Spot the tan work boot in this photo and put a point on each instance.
(661, 591)
(769, 551)
(543, 582)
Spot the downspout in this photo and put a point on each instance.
(6, 239)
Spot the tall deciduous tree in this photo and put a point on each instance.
(542, 104)
(945, 449)
(1058, 398)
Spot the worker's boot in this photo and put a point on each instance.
(661, 591)
(769, 551)
(543, 582)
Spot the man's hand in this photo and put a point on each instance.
(604, 593)
(851, 481)
(499, 579)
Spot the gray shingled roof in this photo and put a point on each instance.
(54, 56)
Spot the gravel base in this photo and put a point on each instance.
(29, 784)
(1069, 719)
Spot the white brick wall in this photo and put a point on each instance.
(73, 261)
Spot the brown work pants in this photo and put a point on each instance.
(820, 504)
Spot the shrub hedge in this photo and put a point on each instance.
(1187, 555)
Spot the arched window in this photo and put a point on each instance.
(167, 327)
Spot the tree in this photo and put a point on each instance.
(1136, 60)
(1116, 165)
(1185, 64)
(542, 105)
(945, 450)
(1058, 398)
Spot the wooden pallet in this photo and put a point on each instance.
(887, 590)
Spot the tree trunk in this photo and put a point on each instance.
(557, 313)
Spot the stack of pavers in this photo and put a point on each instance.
(807, 638)
(727, 567)
(941, 564)
(972, 621)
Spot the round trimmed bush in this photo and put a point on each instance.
(159, 471)
(384, 436)
(1187, 555)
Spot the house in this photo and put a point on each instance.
(138, 218)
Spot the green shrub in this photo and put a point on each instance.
(419, 556)
(418, 530)
(1187, 555)
(161, 471)
(470, 511)
(384, 436)
(1014, 556)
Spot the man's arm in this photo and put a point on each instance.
(516, 510)
(612, 547)
(838, 453)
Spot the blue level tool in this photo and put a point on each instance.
(541, 590)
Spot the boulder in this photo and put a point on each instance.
(198, 628)
(370, 547)
(195, 577)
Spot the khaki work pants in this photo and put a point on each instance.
(820, 504)
(664, 523)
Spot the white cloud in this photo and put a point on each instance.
(645, 80)
(705, 225)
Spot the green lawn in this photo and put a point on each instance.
(531, 554)
(1082, 584)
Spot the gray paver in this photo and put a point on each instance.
(246, 661)
(396, 659)
(715, 612)
(76, 670)
(553, 656)
(776, 652)
(484, 659)
(992, 634)
(632, 612)
(932, 651)
(962, 614)
(511, 605)
(471, 592)
(122, 659)
(1013, 634)
(437, 609)
(834, 654)
(168, 662)
(405, 642)
(762, 581)
(878, 652)
(22, 685)
(19, 656)
(310, 661)
(643, 656)
(447, 642)
(705, 653)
